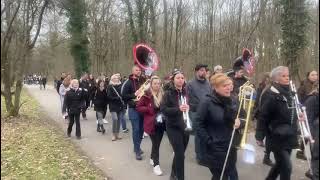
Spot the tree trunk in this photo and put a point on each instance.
(238, 39)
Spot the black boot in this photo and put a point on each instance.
(267, 160)
(308, 174)
(98, 128)
(102, 129)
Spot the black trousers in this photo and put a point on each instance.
(283, 166)
(179, 141)
(230, 172)
(268, 147)
(74, 117)
(156, 141)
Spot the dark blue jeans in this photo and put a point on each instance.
(197, 141)
(137, 129)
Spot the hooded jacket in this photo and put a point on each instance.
(197, 91)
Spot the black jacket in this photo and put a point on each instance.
(59, 82)
(74, 101)
(277, 119)
(237, 83)
(170, 107)
(84, 84)
(129, 87)
(214, 125)
(100, 100)
(197, 91)
(312, 108)
(92, 87)
(115, 103)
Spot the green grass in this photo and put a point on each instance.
(33, 149)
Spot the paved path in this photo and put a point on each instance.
(117, 159)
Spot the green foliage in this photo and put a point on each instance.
(32, 149)
(294, 23)
(77, 28)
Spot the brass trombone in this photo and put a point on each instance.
(246, 93)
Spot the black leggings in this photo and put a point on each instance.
(283, 166)
(74, 118)
(156, 141)
(179, 141)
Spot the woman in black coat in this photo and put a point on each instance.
(100, 101)
(279, 120)
(215, 121)
(173, 110)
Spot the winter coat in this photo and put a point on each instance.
(100, 100)
(115, 103)
(147, 107)
(129, 87)
(312, 108)
(63, 90)
(277, 120)
(197, 91)
(92, 88)
(59, 84)
(170, 107)
(213, 125)
(74, 101)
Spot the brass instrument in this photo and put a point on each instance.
(186, 117)
(142, 89)
(246, 103)
(304, 125)
(146, 58)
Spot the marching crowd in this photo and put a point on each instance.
(212, 104)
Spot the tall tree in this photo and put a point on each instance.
(294, 23)
(77, 28)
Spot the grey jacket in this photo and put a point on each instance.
(197, 91)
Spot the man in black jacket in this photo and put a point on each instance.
(197, 89)
(59, 82)
(129, 92)
(238, 80)
(279, 119)
(84, 84)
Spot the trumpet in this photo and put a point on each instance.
(246, 102)
(142, 89)
(186, 117)
(304, 125)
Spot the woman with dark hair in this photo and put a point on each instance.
(149, 106)
(92, 89)
(306, 88)
(263, 85)
(214, 125)
(100, 100)
(173, 109)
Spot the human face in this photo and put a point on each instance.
(101, 85)
(239, 73)
(75, 84)
(178, 80)
(155, 85)
(202, 73)
(313, 76)
(225, 88)
(283, 79)
(136, 71)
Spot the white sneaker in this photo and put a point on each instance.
(105, 121)
(145, 134)
(157, 171)
(151, 162)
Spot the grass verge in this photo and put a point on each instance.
(31, 148)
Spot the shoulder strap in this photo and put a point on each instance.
(117, 94)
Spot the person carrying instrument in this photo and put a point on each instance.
(173, 109)
(216, 118)
(238, 80)
(306, 89)
(197, 90)
(149, 106)
(129, 92)
(279, 120)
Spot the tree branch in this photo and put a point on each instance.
(45, 4)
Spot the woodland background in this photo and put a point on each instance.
(54, 36)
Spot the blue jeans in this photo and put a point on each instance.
(123, 119)
(137, 129)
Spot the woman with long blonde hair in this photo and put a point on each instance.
(149, 106)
